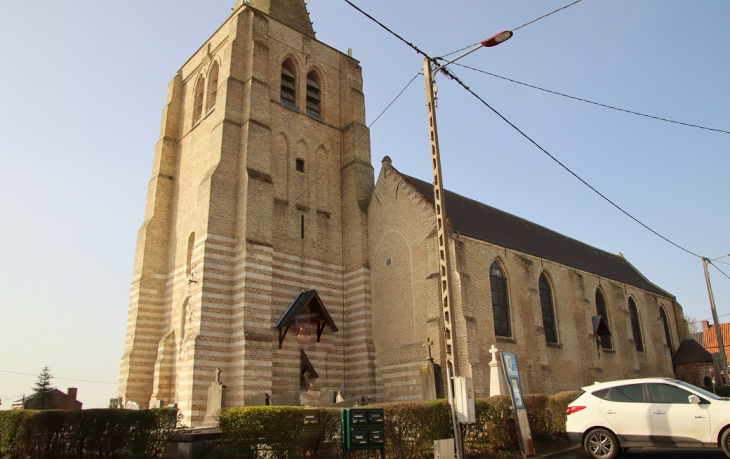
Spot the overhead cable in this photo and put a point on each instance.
(56, 377)
(546, 15)
(452, 76)
(335, 160)
(592, 102)
(715, 266)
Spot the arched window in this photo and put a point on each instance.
(548, 312)
(500, 301)
(288, 85)
(606, 342)
(198, 101)
(314, 102)
(635, 326)
(212, 86)
(665, 322)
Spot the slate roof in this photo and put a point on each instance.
(485, 223)
(304, 299)
(690, 351)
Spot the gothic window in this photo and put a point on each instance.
(635, 327)
(500, 301)
(606, 342)
(314, 102)
(288, 85)
(548, 312)
(198, 101)
(665, 322)
(212, 86)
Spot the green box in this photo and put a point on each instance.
(362, 428)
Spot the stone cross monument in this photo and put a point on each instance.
(496, 381)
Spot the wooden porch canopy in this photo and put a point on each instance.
(311, 300)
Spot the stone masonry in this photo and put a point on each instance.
(262, 187)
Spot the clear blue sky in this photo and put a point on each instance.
(83, 86)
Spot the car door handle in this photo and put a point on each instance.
(610, 412)
(660, 412)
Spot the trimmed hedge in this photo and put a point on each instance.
(100, 433)
(410, 428)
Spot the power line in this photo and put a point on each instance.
(546, 15)
(721, 271)
(592, 102)
(56, 377)
(335, 160)
(391, 32)
(523, 25)
(452, 76)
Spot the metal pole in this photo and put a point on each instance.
(718, 332)
(447, 307)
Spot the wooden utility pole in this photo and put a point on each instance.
(718, 332)
(447, 307)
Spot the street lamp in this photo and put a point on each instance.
(447, 308)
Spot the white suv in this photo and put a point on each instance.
(651, 412)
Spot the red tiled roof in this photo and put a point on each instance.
(711, 338)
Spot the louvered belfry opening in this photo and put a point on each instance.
(314, 95)
(288, 85)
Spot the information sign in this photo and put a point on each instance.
(511, 372)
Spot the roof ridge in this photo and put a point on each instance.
(486, 223)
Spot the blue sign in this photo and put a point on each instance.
(509, 362)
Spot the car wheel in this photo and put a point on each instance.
(602, 444)
(725, 442)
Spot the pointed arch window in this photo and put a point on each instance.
(548, 311)
(635, 325)
(314, 95)
(500, 301)
(288, 85)
(198, 101)
(212, 86)
(606, 342)
(665, 323)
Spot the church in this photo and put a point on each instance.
(269, 250)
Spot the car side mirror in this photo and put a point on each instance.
(694, 399)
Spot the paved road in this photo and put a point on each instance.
(651, 453)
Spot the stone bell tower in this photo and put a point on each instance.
(260, 184)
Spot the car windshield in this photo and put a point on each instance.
(703, 392)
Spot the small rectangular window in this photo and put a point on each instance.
(300, 165)
(388, 262)
(302, 227)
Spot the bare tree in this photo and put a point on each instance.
(694, 325)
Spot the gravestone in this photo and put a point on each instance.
(261, 399)
(134, 406)
(216, 401)
(496, 382)
(293, 398)
(326, 397)
(431, 383)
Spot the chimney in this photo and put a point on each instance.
(71, 398)
(705, 325)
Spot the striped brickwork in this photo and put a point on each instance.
(251, 202)
(405, 299)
